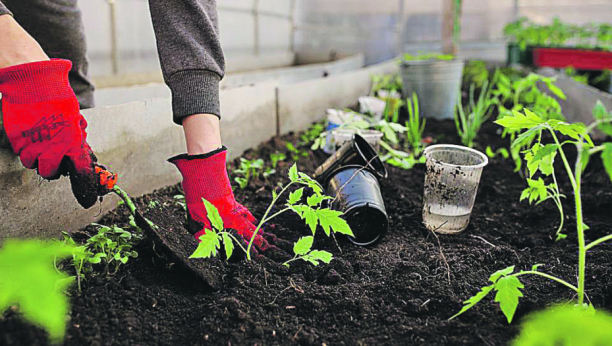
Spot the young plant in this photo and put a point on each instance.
(295, 152)
(28, 279)
(248, 169)
(210, 242)
(390, 83)
(113, 245)
(313, 213)
(505, 282)
(303, 250)
(565, 325)
(82, 259)
(477, 113)
(415, 126)
(275, 158)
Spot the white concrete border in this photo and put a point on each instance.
(136, 138)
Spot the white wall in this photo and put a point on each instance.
(248, 29)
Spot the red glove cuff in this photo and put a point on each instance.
(34, 82)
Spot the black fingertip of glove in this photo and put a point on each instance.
(86, 186)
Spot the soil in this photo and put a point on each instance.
(399, 292)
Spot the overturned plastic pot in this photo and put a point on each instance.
(356, 193)
(355, 152)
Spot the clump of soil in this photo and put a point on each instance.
(400, 292)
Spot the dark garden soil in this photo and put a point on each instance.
(399, 292)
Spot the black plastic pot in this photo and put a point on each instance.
(356, 152)
(357, 194)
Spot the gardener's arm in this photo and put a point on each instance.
(192, 61)
(40, 113)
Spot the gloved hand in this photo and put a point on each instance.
(205, 176)
(43, 124)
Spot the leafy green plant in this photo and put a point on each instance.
(389, 82)
(276, 157)
(505, 282)
(503, 152)
(82, 259)
(565, 326)
(514, 93)
(475, 72)
(525, 33)
(113, 246)
(28, 279)
(313, 213)
(415, 126)
(249, 169)
(210, 242)
(295, 152)
(428, 56)
(478, 112)
(303, 250)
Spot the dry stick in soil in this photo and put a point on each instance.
(448, 271)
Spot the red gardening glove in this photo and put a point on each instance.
(205, 176)
(43, 124)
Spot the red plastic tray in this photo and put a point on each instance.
(579, 59)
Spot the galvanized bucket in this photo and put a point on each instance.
(436, 83)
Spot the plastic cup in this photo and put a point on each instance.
(373, 106)
(451, 182)
(342, 136)
(336, 118)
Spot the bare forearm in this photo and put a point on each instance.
(16, 45)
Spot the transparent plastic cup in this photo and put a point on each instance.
(451, 182)
(336, 118)
(342, 136)
(373, 106)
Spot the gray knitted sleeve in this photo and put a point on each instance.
(3, 9)
(187, 34)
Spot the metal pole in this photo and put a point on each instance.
(401, 25)
(516, 9)
(256, 27)
(293, 26)
(113, 26)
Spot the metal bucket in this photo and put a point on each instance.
(436, 83)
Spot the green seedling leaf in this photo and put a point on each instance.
(331, 219)
(503, 272)
(565, 325)
(527, 136)
(228, 244)
(601, 114)
(536, 191)
(207, 248)
(213, 215)
(315, 200)
(308, 214)
(606, 158)
(28, 279)
(474, 300)
(320, 255)
(296, 196)
(316, 255)
(293, 173)
(508, 294)
(303, 245)
(311, 183)
(536, 266)
(520, 121)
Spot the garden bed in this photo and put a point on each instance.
(401, 291)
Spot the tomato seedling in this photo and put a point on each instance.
(541, 157)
